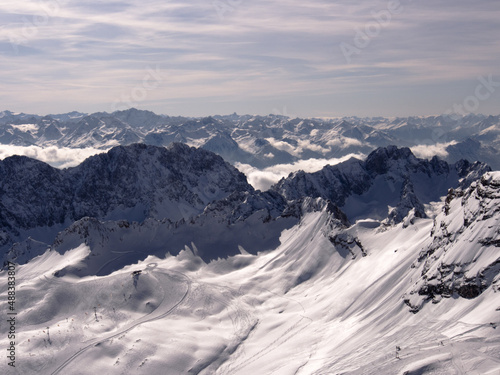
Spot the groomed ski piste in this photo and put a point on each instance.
(307, 307)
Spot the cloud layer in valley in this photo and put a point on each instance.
(263, 179)
(59, 157)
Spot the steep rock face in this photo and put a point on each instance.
(32, 193)
(164, 138)
(182, 196)
(242, 204)
(335, 183)
(389, 158)
(137, 118)
(13, 136)
(408, 202)
(129, 182)
(388, 185)
(243, 222)
(345, 243)
(464, 257)
(173, 183)
(7, 117)
(221, 143)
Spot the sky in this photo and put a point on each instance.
(313, 58)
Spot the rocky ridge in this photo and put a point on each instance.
(389, 176)
(463, 259)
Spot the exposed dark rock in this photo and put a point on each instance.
(421, 181)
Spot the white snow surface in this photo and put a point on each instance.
(306, 307)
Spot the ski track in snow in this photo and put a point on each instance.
(292, 331)
(143, 320)
(125, 253)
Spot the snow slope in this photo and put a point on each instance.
(329, 299)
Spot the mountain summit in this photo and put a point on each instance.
(389, 184)
(129, 182)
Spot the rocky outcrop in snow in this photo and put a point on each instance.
(463, 259)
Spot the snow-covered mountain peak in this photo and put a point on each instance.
(388, 185)
(388, 158)
(140, 118)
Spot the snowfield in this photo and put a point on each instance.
(327, 300)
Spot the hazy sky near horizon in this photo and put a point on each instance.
(316, 58)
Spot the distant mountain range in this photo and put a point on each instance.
(262, 141)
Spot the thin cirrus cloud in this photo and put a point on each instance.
(223, 56)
